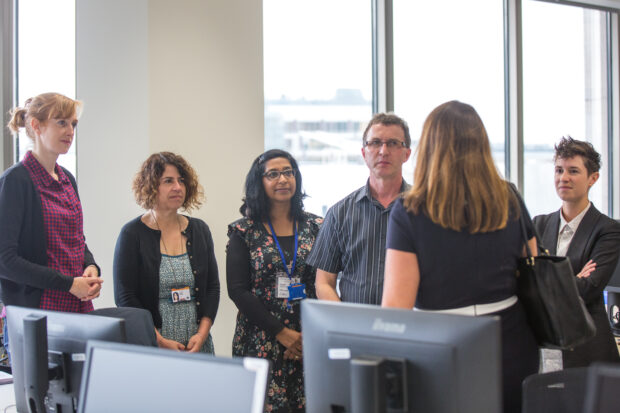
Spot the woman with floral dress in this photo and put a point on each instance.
(267, 274)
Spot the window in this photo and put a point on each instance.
(318, 84)
(450, 50)
(46, 58)
(318, 91)
(564, 93)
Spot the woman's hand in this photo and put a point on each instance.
(91, 272)
(169, 344)
(195, 343)
(86, 287)
(288, 355)
(587, 269)
(290, 339)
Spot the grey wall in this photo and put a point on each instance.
(184, 76)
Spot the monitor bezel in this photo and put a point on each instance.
(67, 333)
(260, 367)
(322, 319)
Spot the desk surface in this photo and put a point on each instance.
(7, 398)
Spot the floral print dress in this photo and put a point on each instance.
(286, 386)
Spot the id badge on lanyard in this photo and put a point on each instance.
(287, 286)
(180, 294)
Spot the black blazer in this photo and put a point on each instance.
(24, 273)
(597, 239)
(137, 258)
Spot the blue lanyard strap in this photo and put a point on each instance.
(273, 233)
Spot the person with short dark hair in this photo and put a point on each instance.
(590, 239)
(267, 274)
(164, 261)
(454, 239)
(352, 239)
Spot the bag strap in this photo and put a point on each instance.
(521, 220)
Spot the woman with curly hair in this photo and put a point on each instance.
(267, 274)
(164, 261)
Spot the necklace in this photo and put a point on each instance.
(174, 274)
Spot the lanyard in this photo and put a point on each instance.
(273, 233)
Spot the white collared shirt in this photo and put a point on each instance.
(567, 231)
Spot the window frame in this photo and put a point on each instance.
(383, 84)
(513, 75)
(8, 50)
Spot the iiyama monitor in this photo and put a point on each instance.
(364, 358)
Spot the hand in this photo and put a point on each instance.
(290, 339)
(587, 269)
(86, 287)
(195, 343)
(91, 272)
(170, 344)
(288, 355)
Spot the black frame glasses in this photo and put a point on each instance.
(375, 144)
(274, 175)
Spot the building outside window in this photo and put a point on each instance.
(318, 91)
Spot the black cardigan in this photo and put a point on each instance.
(137, 258)
(24, 273)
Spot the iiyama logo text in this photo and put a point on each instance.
(380, 325)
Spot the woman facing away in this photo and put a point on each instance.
(267, 274)
(453, 242)
(164, 261)
(44, 260)
(588, 238)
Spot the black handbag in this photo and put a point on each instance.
(555, 311)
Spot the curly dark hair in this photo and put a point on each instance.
(255, 202)
(146, 183)
(569, 148)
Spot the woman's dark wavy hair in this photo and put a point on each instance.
(255, 202)
(146, 182)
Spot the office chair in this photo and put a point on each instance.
(603, 389)
(555, 392)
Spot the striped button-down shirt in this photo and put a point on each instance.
(352, 242)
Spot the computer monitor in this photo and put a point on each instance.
(614, 283)
(602, 388)
(128, 378)
(363, 358)
(48, 352)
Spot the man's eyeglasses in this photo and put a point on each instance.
(273, 175)
(375, 144)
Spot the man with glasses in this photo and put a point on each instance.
(352, 238)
